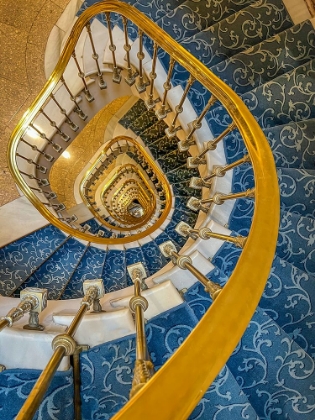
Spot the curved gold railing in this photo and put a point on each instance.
(182, 381)
(159, 174)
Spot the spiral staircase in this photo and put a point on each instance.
(178, 215)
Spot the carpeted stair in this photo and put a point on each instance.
(271, 374)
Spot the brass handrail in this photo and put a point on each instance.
(62, 345)
(159, 174)
(216, 332)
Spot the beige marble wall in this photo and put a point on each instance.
(24, 29)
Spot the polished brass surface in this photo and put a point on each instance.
(219, 198)
(151, 205)
(143, 370)
(171, 131)
(221, 170)
(211, 287)
(205, 233)
(28, 304)
(123, 197)
(142, 373)
(212, 144)
(77, 380)
(62, 345)
(242, 292)
(185, 263)
(198, 122)
(4, 323)
(34, 399)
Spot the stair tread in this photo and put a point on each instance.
(114, 271)
(200, 16)
(289, 299)
(89, 268)
(109, 382)
(275, 102)
(268, 363)
(153, 257)
(21, 258)
(57, 270)
(215, 43)
(163, 146)
(296, 187)
(154, 132)
(292, 144)
(146, 120)
(296, 241)
(266, 61)
(135, 111)
(59, 393)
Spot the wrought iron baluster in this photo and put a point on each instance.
(102, 84)
(184, 262)
(71, 124)
(87, 93)
(63, 135)
(130, 79)
(77, 109)
(218, 171)
(42, 182)
(40, 168)
(218, 198)
(171, 131)
(150, 103)
(184, 145)
(162, 112)
(42, 135)
(57, 207)
(112, 48)
(48, 157)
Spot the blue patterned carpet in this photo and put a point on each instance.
(270, 62)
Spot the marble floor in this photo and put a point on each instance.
(24, 30)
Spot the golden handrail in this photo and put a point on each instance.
(62, 345)
(159, 174)
(216, 332)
